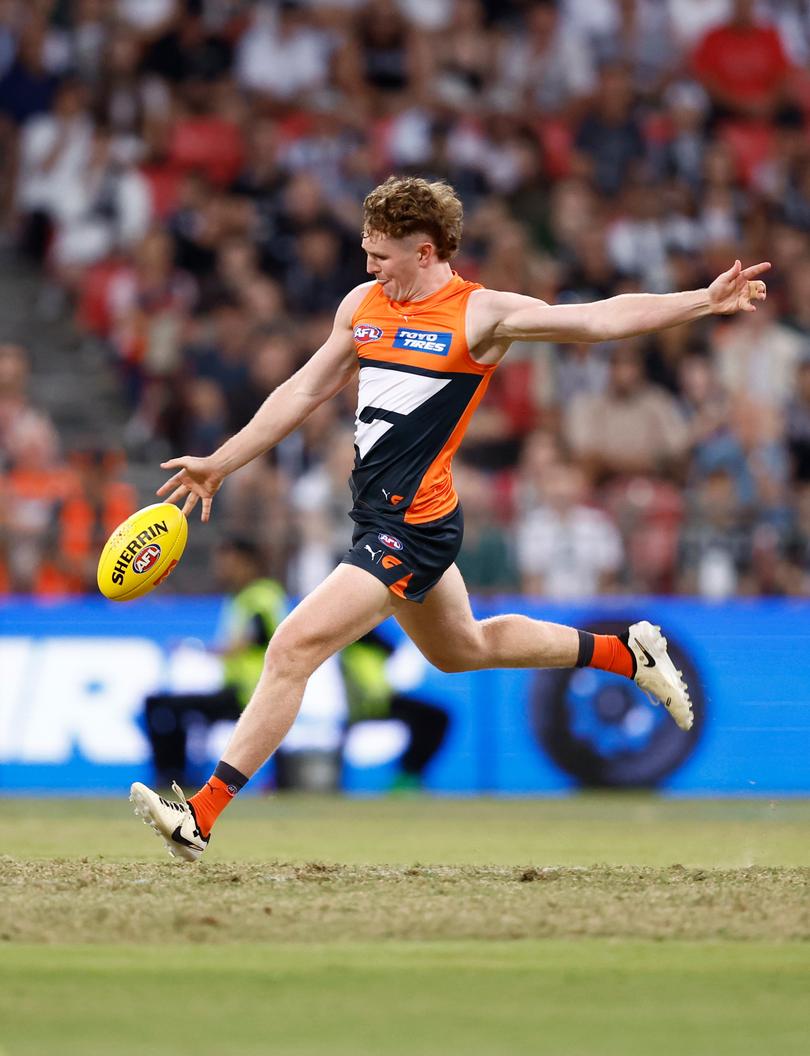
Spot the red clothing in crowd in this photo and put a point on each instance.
(746, 63)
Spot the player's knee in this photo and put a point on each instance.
(464, 653)
(451, 665)
(291, 654)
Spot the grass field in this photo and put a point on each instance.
(590, 926)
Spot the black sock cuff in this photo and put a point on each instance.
(624, 638)
(585, 654)
(230, 776)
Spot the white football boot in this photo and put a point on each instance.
(175, 822)
(657, 675)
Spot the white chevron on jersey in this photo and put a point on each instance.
(390, 390)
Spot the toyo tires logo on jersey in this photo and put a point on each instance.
(389, 541)
(146, 558)
(364, 332)
(423, 341)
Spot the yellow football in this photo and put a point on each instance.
(142, 552)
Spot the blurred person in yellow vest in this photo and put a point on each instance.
(373, 696)
(255, 608)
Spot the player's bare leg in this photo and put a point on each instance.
(347, 605)
(447, 633)
(449, 636)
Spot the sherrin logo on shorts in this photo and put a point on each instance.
(390, 541)
(423, 341)
(146, 558)
(364, 332)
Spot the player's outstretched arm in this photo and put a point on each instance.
(512, 317)
(321, 377)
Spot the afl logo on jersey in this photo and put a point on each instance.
(364, 332)
(390, 541)
(146, 558)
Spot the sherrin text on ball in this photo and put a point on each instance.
(142, 552)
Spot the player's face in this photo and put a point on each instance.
(394, 262)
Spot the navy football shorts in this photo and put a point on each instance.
(409, 559)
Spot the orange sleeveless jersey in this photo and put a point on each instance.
(419, 386)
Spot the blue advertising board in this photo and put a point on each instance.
(74, 677)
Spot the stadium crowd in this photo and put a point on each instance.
(189, 175)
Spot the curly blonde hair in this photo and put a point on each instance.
(405, 205)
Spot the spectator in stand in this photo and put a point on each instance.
(97, 501)
(464, 51)
(758, 361)
(150, 303)
(715, 555)
(204, 135)
(527, 196)
(486, 559)
(635, 32)
(111, 213)
(541, 450)
(722, 202)
(30, 81)
(795, 190)
(271, 358)
(692, 19)
(632, 428)
(15, 370)
(793, 572)
(262, 175)
(679, 153)
(549, 67)
(567, 548)
(300, 206)
(316, 279)
(798, 424)
(196, 226)
(320, 499)
(188, 48)
(706, 408)
(328, 137)
(744, 68)
(581, 369)
(609, 140)
(219, 349)
(576, 212)
(89, 38)
(31, 493)
(591, 273)
(797, 309)
(281, 55)
(203, 414)
(237, 266)
(764, 469)
(384, 58)
(638, 240)
(124, 99)
(55, 150)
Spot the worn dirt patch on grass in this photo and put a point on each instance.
(93, 900)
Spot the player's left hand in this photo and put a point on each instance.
(737, 289)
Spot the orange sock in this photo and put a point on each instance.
(210, 801)
(611, 654)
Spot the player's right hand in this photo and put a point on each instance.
(737, 289)
(196, 478)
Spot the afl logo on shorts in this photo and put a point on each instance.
(363, 333)
(146, 558)
(389, 541)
